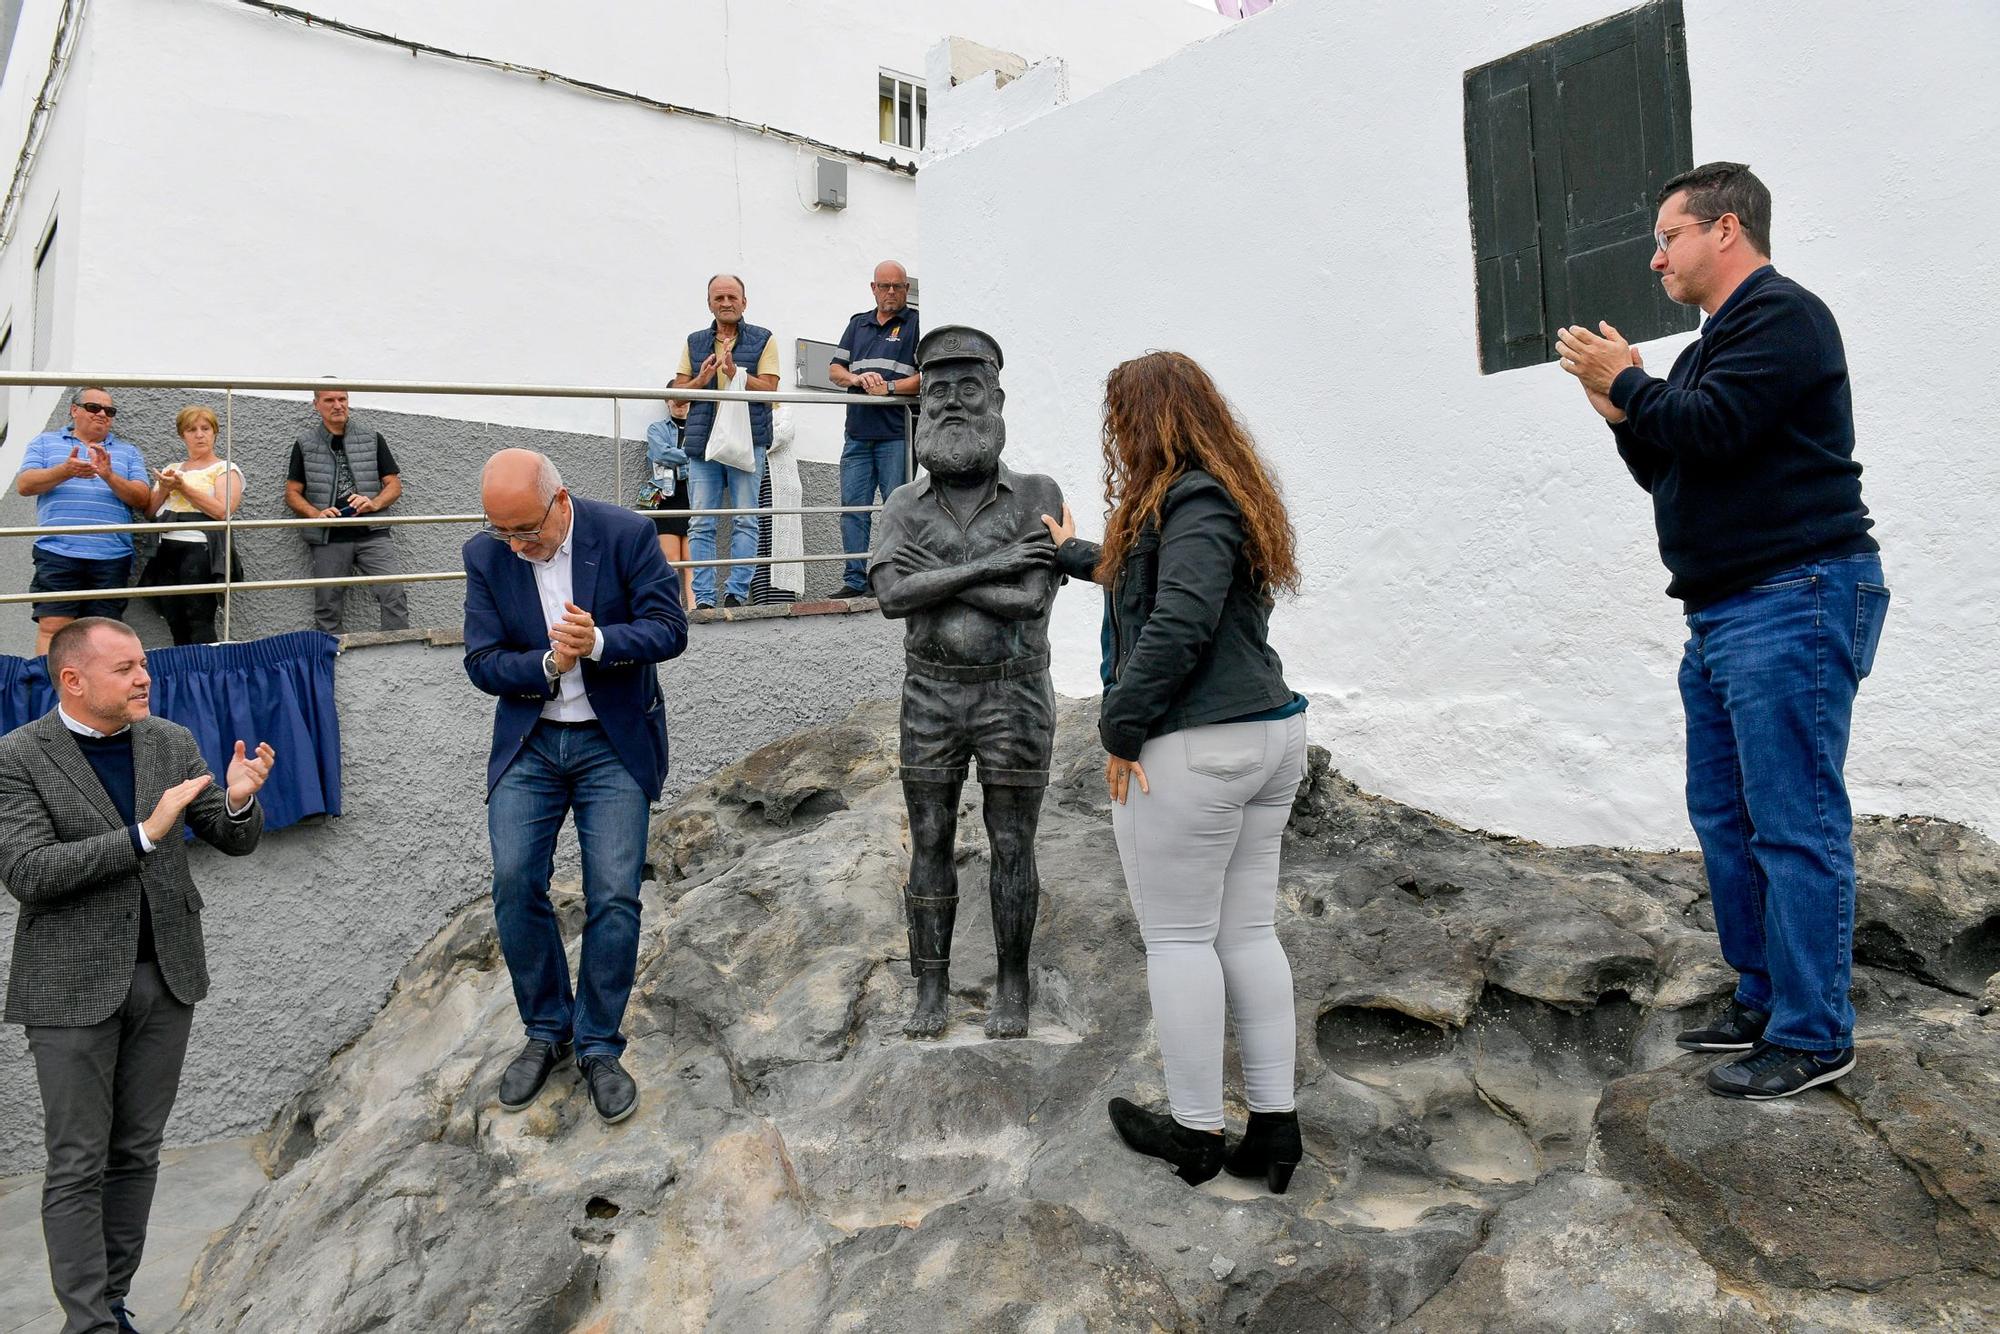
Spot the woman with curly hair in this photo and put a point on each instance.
(1207, 747)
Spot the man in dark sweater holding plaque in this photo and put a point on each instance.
(1747, 448)
(108, 958)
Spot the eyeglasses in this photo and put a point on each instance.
(1662, 238)
(97, 409)
(500, 534)
(890, 287)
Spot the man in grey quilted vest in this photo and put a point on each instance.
(108, 957)
(342, 470)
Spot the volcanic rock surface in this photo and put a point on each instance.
(1500, 1132)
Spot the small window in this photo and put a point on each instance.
(45, 298)
(1566, 145)
(900, 108)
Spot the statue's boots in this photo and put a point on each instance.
(931, 918)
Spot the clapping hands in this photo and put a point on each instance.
(573, 637)
(1596, 359)
(247, 773)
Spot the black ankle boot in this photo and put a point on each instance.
(1270, 1148)
(1196, 1155)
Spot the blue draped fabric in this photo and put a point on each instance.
(278, 690)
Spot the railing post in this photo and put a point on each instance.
(228, 510)
(618, 451)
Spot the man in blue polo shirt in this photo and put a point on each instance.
(877, 356)
(82, 474)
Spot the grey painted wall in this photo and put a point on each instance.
(306, 935)
(440, 458)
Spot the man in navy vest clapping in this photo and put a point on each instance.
(709, 360)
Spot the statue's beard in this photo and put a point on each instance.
(968, 449)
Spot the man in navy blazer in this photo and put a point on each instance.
(569, 606)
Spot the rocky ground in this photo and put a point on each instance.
(1500, 1133)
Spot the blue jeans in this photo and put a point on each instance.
(712, 486)
(1768, 681)
(560, 769)
(866, 468)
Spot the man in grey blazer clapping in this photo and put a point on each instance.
(108, 959)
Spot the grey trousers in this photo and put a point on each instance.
(1201, 864)
(374, 554)
(107, 1089)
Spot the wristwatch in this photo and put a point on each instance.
(550, 673)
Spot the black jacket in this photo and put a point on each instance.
(1188, 622)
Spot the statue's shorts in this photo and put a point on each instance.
(1004, 715)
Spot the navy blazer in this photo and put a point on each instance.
(625, 584)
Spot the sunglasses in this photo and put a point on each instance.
(97, 409)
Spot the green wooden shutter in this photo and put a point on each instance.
(1506, 216)
(1615, 129)
(1588, 127)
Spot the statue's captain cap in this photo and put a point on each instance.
(957, 342)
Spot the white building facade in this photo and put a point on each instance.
(1483, 631)
(476, 190)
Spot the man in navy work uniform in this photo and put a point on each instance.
(877, 356)
(1747, 448)
(82, 474)
(569, 610)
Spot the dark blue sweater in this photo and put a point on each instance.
(1748, 445)
(111, 758)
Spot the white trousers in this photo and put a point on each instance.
(1201, 863)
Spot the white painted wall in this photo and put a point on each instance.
(279, 200)
(1484, 631)
(806, 65)
(56, 190)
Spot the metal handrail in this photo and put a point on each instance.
(386, 520)
(228, 524)
(357, 580)
(258, 384)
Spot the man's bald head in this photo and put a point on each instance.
(523, 496)
(890, 288)
(527, 470)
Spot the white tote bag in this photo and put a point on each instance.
(729, 441)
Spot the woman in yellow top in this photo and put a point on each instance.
(200, 487)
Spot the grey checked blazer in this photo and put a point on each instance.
(69, 859)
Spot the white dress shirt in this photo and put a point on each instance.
(554, 586)
(139, 826)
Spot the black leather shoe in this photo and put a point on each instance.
(850, 591)
(1196, 1155)
(124, 1319)
(527, 1072)
(1772, 1071)
(732, 601)
(612, 1091)
(1739, 1029)
(1270, 1148)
